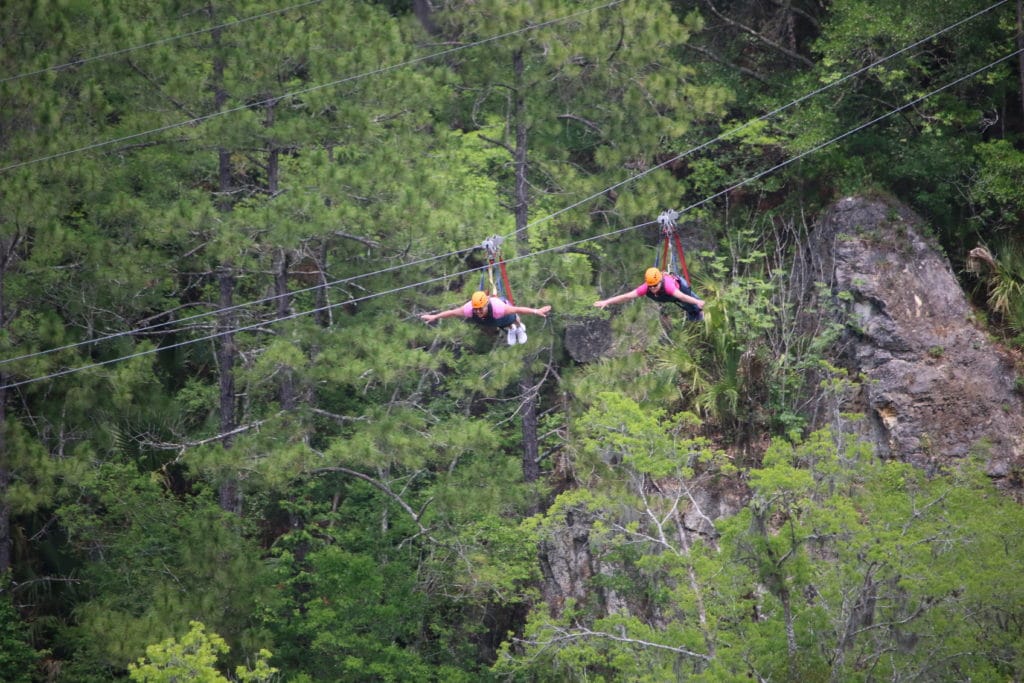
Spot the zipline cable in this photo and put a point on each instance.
(161, 41)
(539, 221)
(303, 91)
(560, 247)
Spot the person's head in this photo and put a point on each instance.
(479, 302)
(653, 277)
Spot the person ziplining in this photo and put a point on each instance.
(665, 286)
(495, 310)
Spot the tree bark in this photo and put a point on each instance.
(5, 480)
(1020, 46)
(791, 646)
(229, 494)
(531, 460)
(323, 313)
(5, 474)
(286, 390)
(421, 8)
(273, 152)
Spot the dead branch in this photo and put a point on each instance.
(582, 633)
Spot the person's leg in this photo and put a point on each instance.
(693, 313)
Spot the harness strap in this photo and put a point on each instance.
(504, 277)
(502, 286)
(667, 219)
(682, 258)
(664, 257)
(493, 289)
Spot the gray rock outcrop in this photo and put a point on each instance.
(935, 387)
(587, 339)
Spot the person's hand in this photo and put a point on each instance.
(428, 317)
(601, 304)
(700, 304)
(543, 311)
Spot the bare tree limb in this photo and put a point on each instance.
(583, 633)
(589, 124)
(183, 446)
(356, 238)
(726, 63)
(497, 143)
(338, 418)
(156, 86)
(386, 490)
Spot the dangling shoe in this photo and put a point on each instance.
(520, 333)
(511, 335)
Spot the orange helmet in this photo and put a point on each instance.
(652, 276)
(479, 299)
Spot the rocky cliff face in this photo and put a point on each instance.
(935, 387)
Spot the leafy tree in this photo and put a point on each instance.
(18, 660)
(194, 658)
(651, 611)
(150, 563)
(925, 155)
(862, 558)
(841, 566)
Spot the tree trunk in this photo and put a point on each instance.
(229, 494)
(323, 313)
(1020, 46)
(791, 647)
(5, 479)
(531, 451)
(698, 594)
(273, 152)
(421, 8)
(8, 254)
(286, 390)
(5, 475)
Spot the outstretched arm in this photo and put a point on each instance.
(542, 311)
(617, 299)
(687, 299)
(451, 313)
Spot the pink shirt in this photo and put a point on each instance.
(497, 308)
(671, 287)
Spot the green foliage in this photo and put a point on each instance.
(923, 158)
(838, 558)
(994, 187)
(18, 659)
(640, 468)
(357, 600)
(1003, 275)
(151, 563)
(194, 658)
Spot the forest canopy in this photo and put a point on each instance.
(231, 449)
